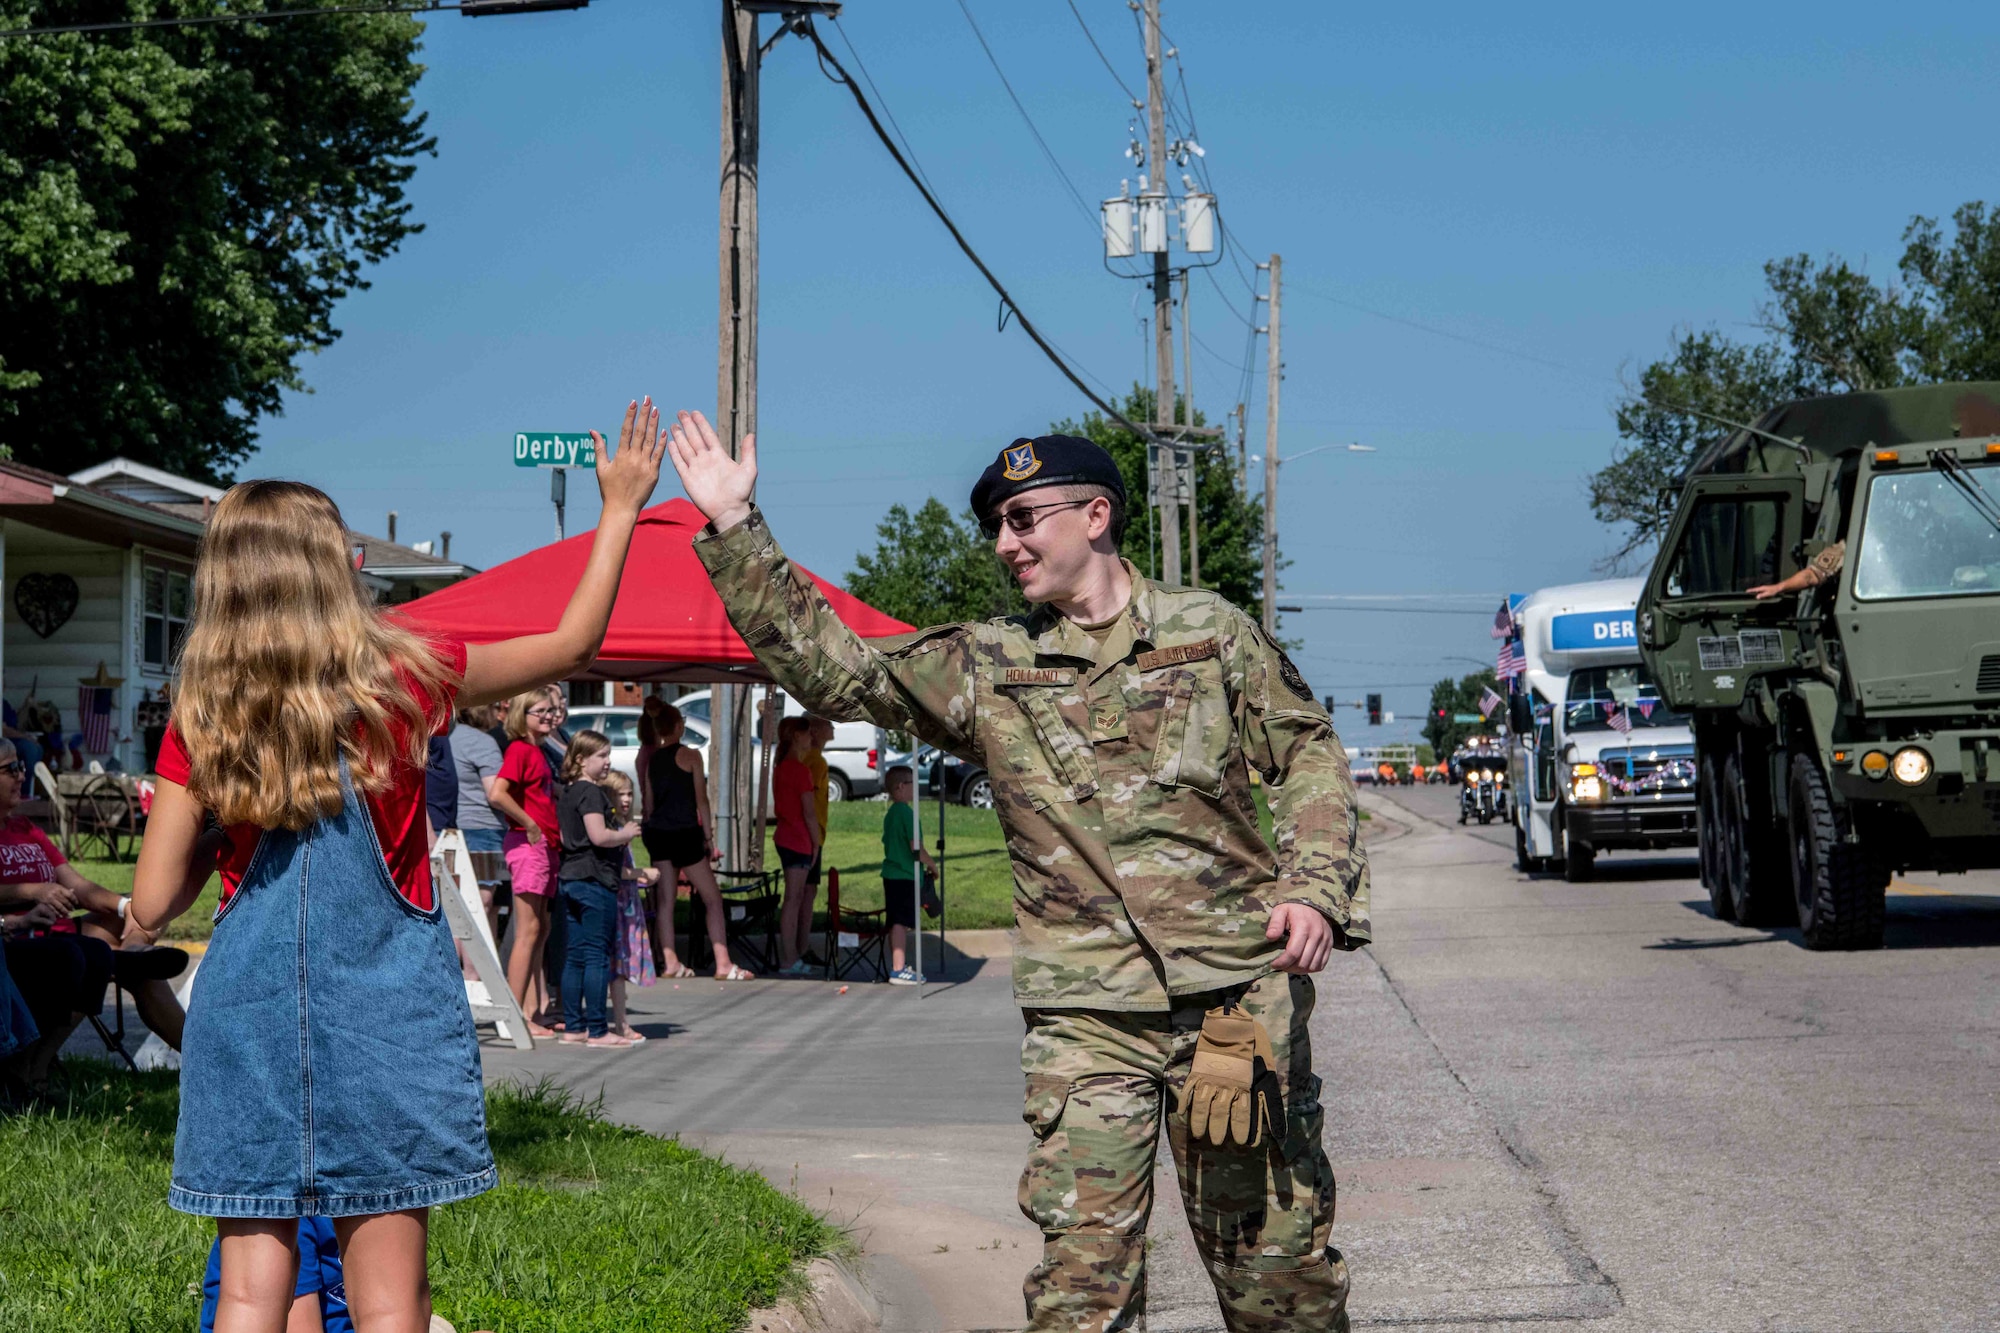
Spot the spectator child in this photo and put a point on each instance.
(331, 1068)
(594, 843)
(900, 856)
(319, 1298)
(676, 834)
(533, 846)
(632, 959)
(798, 838)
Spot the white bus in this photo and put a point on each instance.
(1597, 760)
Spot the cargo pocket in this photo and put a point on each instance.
(1196, 729)
(1299, 1220)
(1048, 1183)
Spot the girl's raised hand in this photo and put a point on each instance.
(626, 479)
(719, 485)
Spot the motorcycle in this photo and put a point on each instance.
(1483, 793)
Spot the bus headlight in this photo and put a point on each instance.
(1911, 766)
(1586, 784)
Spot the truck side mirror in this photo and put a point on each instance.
(1520, 715)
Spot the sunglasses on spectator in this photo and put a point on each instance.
(18, 768)
(1022, 520)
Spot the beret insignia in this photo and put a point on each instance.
(1020, 461)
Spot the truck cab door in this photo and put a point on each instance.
(1701, 633)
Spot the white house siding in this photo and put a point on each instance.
(96, 632)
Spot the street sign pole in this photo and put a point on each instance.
(558, 491)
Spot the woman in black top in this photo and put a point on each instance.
(676, 834)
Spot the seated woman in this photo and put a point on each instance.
(61, 965)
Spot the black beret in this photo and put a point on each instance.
(1047, 460)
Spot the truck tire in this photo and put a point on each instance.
(1840, 887)
(1754, 868)
(1708, 832)
(1580, 866)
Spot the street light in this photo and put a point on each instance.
(1319, 449)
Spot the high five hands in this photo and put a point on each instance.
(626, 479)
(719, 485)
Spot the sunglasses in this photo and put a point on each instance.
(18, 768)
(1022, 520)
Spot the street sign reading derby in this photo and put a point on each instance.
(554, 448)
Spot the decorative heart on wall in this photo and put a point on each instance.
(45, 601)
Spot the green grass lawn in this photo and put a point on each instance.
(594, 1228)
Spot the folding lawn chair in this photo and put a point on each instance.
(864, 935)
(749, 906)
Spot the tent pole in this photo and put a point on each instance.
(942, 955)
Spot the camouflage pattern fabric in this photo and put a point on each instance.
(1099, 1086)
(1121, 770)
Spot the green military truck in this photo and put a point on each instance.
(1851, 729)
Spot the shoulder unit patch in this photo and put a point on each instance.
(1293, 680)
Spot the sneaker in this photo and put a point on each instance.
(903, 976)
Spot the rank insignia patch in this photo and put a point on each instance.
(1021, 461)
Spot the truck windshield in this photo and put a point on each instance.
(1922, 537)
(1597, 693)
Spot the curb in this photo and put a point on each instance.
(836, 1303)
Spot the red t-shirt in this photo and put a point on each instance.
(28, 857)
(397, 811)
(527, 768)
(791, 787)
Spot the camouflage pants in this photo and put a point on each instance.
(1099, 1086)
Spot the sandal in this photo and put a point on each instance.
(676, 972)
(631, 1034)
(736, 974)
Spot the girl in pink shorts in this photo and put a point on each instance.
(524, 795)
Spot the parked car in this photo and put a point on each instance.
(853, 756)
(967, 784)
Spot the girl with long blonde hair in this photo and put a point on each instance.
(329, 1066)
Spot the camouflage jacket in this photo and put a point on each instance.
(1121, 772)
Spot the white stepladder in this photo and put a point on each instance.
(486, 992)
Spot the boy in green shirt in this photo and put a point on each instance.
(899, 872)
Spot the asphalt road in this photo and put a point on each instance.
(1547, 1103)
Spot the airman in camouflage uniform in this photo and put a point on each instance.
(1121, 763)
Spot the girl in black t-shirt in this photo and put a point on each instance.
(593, 863)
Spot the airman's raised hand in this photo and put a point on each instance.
(719, 485)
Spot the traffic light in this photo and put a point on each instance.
(1374, 710)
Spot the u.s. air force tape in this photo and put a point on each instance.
(1184, 652)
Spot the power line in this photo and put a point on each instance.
(881, 101)
(1055, 356)
(1470, 341)
(1075, 194)
(1130, 96)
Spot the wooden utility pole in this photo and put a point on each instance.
(1163, 299)
(1274, 372)
(1194, 462)
(732, 795)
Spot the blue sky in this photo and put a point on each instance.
(1570, 182)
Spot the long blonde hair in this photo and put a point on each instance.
(516, 720)
(288, 666)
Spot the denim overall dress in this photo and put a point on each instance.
(329, 1066)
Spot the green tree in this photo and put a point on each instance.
(1230, 527)
(1451, 697)
(1828, 328)
(930, 568)
(180, 211)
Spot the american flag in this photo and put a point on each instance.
(1488, 701)
(1512, 662)
(1646, 707)
(1503, 621)
(1619, 720)
(93, 706)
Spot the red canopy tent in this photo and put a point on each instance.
(668, 624)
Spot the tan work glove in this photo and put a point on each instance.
(1232, 1091)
